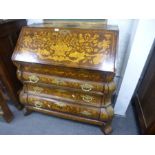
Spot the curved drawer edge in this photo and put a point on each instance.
(106, 113)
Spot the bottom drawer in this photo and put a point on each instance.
(102, 114)
(60, 106)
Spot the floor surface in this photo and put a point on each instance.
(40, 124)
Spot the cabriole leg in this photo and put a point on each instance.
(106, 128)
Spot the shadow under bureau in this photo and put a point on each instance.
(68, 72)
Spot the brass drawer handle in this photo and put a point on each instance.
(87, 98)
(33, 79)
(38, 104)
(86, 87)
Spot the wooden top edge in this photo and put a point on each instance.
(76, 26)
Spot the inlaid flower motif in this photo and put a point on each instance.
(107, 36)
(44, 52)
(27, 40)
(71, 47)
(97, 59)
(106, 44)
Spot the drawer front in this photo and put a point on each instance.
(63, 82)
(80, 74)
(64, 94)
(56, 105)
(84, 86)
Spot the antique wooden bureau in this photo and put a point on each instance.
(68, 72)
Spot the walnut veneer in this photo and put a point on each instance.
(68, 72)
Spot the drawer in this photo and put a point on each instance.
(56, 105)
(84, 86)
(41, 103)
(66, 95)
(80, 74)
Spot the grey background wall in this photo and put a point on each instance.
(125, 29)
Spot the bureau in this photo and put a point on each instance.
(68, 72)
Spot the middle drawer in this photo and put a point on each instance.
(68, 95)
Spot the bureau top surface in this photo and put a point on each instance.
(71, 47)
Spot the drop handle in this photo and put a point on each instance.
(87, 98)
(38, 104)
(86, 87)
(33, 79)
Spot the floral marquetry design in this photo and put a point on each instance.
(73, 46)
(68, 72)
(56, 105)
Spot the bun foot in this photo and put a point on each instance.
(27, 111)
(106, 129)
(19, 106)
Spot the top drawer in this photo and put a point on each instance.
(85, 86)
(80, 74)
